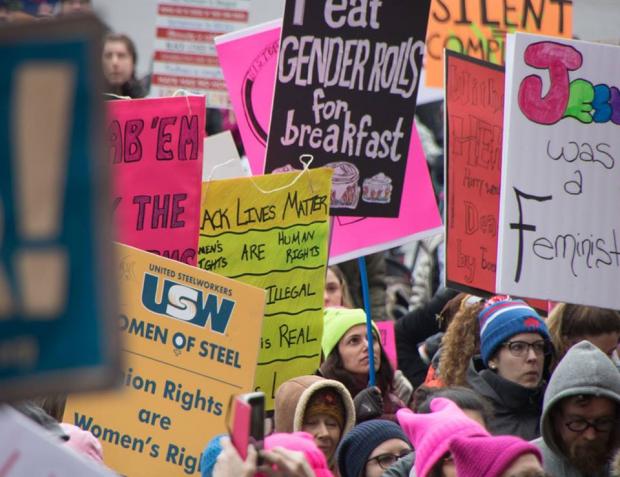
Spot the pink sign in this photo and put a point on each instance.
(249, 60)
(156, 153)
(388, 340)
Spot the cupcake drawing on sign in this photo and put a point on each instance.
(286, 168)
(377, 189)
(345, 190)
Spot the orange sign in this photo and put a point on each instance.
(478, 28)
(191, 341)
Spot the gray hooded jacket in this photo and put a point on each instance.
(584, 370)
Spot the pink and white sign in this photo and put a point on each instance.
(156, 151)
(185, 56)
(249, 58)
(27, 450)
(251, 55)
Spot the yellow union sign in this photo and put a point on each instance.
(191, 341)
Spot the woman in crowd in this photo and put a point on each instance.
(371, 448)
(119, 66)
(569, 324)
(321, 407)
(336, 289)
(515, 353)
(345, 348)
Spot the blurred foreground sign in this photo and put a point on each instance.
(56, 291)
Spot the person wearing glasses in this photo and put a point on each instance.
(580, 420)
(515, 351)
(372, 447)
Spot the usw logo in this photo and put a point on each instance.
(186, 304)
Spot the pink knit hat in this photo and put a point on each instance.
(83, 442)
(431, 433)
(304, 442)
(488, 456)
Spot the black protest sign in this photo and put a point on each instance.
(346, 89)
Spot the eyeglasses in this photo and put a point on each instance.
(605, 424)
(522, 348)
(386, 461)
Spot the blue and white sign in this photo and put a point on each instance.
(57, 299)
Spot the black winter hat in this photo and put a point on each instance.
(357, 445)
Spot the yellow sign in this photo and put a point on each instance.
(191, 340)
(478, 28)
(272, 231)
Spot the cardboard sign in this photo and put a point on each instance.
(191, 342)
(388, 341)
(272, 232)
(249, 59)
(474, 119)
(558, 231)
(56, 292)
(26, 450)
(185, 57)
(352, 237)
(345, 92)
(156, 152)
(221, 158)
(478, 28)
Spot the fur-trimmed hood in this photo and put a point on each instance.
(293, 396)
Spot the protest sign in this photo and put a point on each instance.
(478, 28)
(272, 232)
(185, 56)
(56, 291)
(156, 149)
(221, 158)
(191, 342)
(474, 117)
(27, 450)
(249, 58)
(558, 218)
(388, 340)
(345, 92)
(249, 54)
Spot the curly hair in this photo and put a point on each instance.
(461, 342)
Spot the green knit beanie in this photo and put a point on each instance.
(336, 322)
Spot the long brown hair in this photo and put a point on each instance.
(461, 342)
(333, 368)
(568, 322)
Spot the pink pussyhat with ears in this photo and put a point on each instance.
(489, 456)
(302, 442)
(432, 433)
(83, 442)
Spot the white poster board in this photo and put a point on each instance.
(185, 56)
(559, 228)
(26, 450)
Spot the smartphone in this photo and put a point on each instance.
(249, 421)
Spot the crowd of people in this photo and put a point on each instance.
(508, 393)
(484, 387)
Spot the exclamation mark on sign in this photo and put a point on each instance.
(41, 117)
(6, 298)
